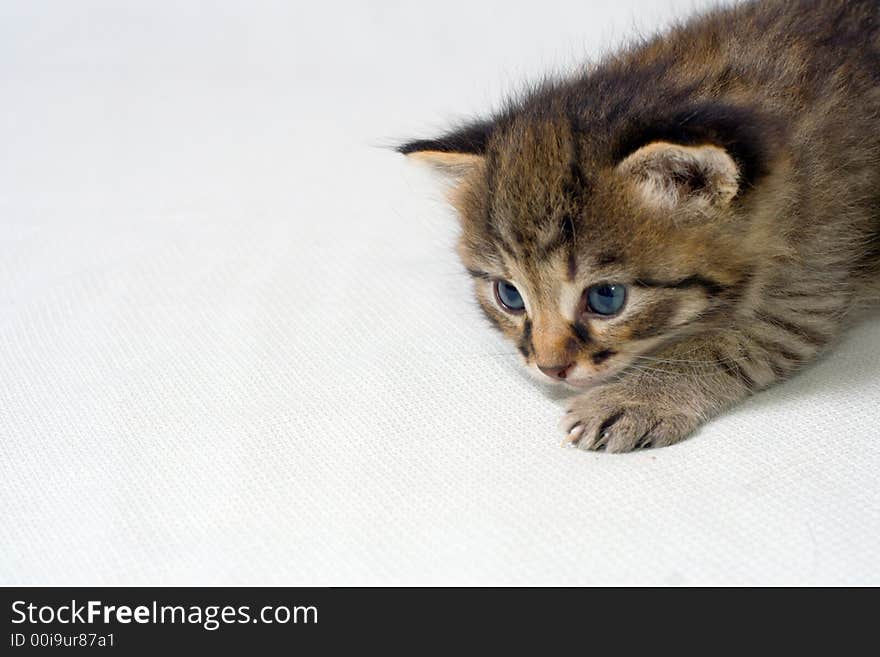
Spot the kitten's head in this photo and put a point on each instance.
(589, 252)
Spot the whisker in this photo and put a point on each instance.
(673, 361)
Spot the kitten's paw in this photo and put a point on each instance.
(612, 418)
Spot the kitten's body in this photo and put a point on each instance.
(727, 173)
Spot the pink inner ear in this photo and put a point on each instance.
(668, 174)
(455, 165)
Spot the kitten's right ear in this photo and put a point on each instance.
(455, 154)
(454, 166)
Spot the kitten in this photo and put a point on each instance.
(685, 223)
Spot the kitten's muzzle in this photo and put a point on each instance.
(556, 372)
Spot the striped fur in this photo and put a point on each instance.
(727, 173)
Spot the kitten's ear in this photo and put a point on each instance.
(668, 175)
(455, 154)
(453, 166)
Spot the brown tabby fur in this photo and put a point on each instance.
(741, 265)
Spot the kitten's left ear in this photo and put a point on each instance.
(455, 154)
(668, 175)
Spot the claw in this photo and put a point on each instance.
(574, 435)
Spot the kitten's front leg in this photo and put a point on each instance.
(662, 399)
(640, 410)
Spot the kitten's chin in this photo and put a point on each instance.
(583, 384)
(581, 381)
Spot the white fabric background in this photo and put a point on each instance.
(236, 346)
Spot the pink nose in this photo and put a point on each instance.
(556, 371)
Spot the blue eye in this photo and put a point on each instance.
(509, 297)
(606, 299)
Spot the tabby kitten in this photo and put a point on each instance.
(686, 222)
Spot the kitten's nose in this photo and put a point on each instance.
(556, 371)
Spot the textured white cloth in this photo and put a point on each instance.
(236, 345)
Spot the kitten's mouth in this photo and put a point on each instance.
(579, 377)
(582, 384)
(591, 380)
